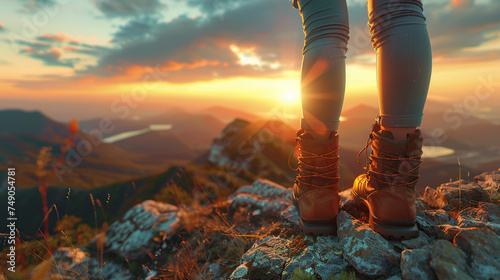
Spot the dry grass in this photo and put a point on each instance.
(36, 259)
(210, 237)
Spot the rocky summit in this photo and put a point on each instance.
(254, 234)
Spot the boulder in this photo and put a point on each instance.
(322, 256)
(429, 220)
(482, 247)
(142, 229)
(489, 180)
(277, 258)
(418, 242)
(266, 259)
(447, 232)
(486, 215)
(367, 251)
(415, 264)
(448, 261)
(456, 195)
(263, 195)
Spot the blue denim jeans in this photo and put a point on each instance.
(404, 61)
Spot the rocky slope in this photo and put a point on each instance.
(254, 234)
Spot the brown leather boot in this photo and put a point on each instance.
(315, 191)
(388, 187)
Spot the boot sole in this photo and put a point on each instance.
(324, 228)
(388, 231)
(319, 227)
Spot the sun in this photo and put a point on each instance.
(290, 97)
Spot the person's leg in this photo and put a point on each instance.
(399, 35)
(404, 62)
(315, 191)
(326, 29)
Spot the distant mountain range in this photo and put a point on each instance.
(191, 138)
(23, 134)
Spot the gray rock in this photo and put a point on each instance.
(217, 154)
(215, 271)
(64, 259)
(322, 258)
(489, 180)
(420, 205)
(265, 195)
(449, 261)
(267, 256)
(367, 251)
(291, 216)
(433, 198)
(455, 195)
(394, 277)
(134, 234)
(345, 195)
(275, 257)
(418, 242)
(483, 250)
(422, 240)
(73, 263)
(348, 205)
(415, 264)
(487, 215)
(447, 232)
(241, 272)
(429, 220)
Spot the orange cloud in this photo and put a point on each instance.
(61, 37)
(69, 48)
(461, 5)
(459, 2)
(133, 73)
(137, 70)
(176, 66)
(55, 51)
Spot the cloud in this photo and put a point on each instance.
(462, 4)
(472, 56)
(68, 43)
(50, 48)
(36, 45)
(270, 29)
(453, 29)
(138, 29)
(56, 37)
(31, 6)
(128, 8)
(50, 57)
(215, 7)
(276, 43)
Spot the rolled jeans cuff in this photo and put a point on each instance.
(319, 124)
(401, 120)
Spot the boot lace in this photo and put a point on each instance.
(399, 172)
(304, 173)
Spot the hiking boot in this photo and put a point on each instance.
(388, 187)
(315, 191)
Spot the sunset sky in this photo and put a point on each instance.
(68, 57)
